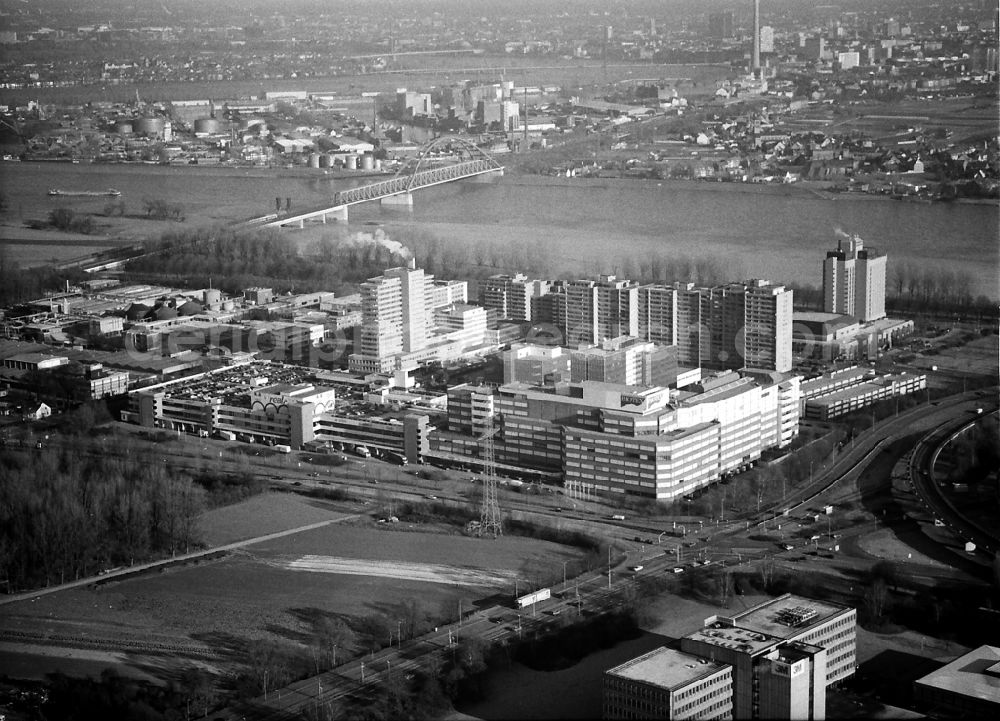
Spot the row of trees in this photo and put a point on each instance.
(19, 284)
(926, 287)
(66, 514)
(234, 259)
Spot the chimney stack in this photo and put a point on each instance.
(756, 40)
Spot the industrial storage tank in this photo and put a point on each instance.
(123, 128)
(137, 311)
(149, 126)
(325, 161)
(228, 305)
(351, 162)
(190, 308)
(367, 162)
(314, 160)
(212, 296)
(209, 126)
(378, 163)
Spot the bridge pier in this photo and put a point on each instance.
(398, 199)
(339, 213)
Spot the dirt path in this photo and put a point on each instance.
(426, 572)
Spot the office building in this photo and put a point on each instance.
(668, 684)
(619, 440)
(273, 404)
(773, 661)
(535, 364)
(850, 389)
(854, 280)
(600, 309)
(785, 653)
(627, 361)
(470, 408)
(968, 687)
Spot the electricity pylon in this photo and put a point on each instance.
(489, 516)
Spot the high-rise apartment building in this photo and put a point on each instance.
(736, 325)
(404, 312)
(510, 295)
(767, 330)
(413, 296)
(600, 309)
(854, 280)
(381, 332)
(766, 39)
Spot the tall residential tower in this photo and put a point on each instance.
(854, 280)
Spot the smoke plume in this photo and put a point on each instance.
(379, 238)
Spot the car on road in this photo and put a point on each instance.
(786, 546)
(636, 569)
(677, 569)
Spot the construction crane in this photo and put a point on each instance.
(489, 515)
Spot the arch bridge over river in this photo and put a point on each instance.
(422, 172)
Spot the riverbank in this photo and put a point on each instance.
(553, 225)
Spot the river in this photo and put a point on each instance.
(584, 226)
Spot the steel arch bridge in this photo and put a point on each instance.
(420, 172)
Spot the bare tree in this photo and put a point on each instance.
(766, 569)
(877, 599)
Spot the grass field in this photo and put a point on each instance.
(260, 515)
(254, 594)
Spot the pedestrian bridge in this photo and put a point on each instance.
(421, 173)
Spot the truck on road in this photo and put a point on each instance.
(362, 451)
(282, 448)
(534, 597)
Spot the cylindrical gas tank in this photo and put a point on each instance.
(351, 162)
(367, 162)
(208, 126)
